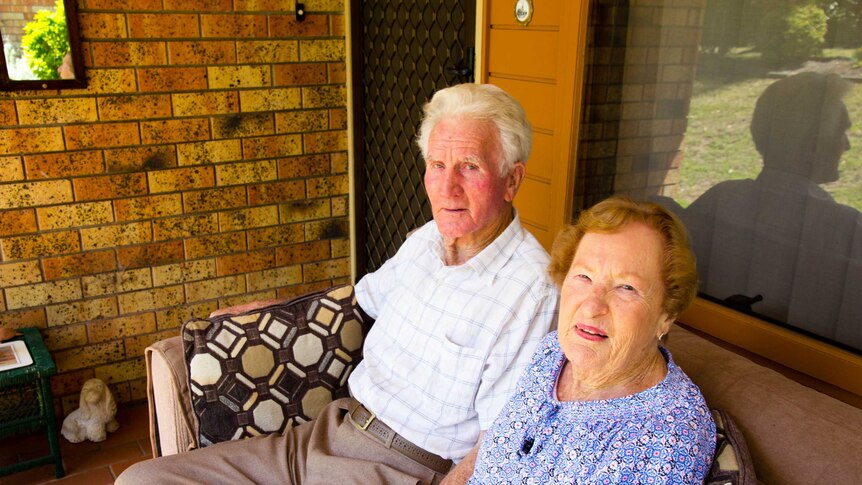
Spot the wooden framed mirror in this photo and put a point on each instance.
(41, 47)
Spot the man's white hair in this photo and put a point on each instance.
(481, 102)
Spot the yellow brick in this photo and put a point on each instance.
(122, 371)
(185, 227)
(270, 99)
(111, 81)
(340, 207)
(149, 207)
(324, 270)
(22, 273)
(33, 140)
(11, 169)
(135, 345)
(248, 218)
(65, 337)
(324, 97)
(199, 153)
(117, 282)
(275, 278)
(214, 199)
(229, 77)
(199, 177)
(209, 103)
(138, 390)
(204, 52)
(116, 328)
(248, 124)
(321, 50)
(75, 215)
(46, 244)
(172, 274)
(216, 245)
(301, 121)
(327, 229)
(89, 356)
(128, 53)
(340, 248)
(42, 293)
(248, 298)
(60, 110)
(175, 130)
(215, 288)
(267, 51)
(246, 173)
(118, 235)
(134, 107)
(305, 210)
(271, 146)
(102, 25)
(335, 6)
(174, 317)
(275, 236)
(328, 186)
(81, 311)
(152, 299)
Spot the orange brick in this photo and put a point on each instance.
(101, 135)
(340, 206)
(79, 264)
(69, 382)
(11, 169)
(103, 330)
(172, 318)
(293, 74)
(245, 262)
(337, 26)
(124, 4)
(129, 107)
(304, 166)
(61, 110)
(247, 297)
(326, 141)
(149, 207)
(304, 289)
(301, 121)
(44, 244)
(199, 5)
(197, 177)
(274, 99)
(276, 192)
(89, 356)
(141, 158)
(207, 246)
(117, 282)
(246, 173)
(121, 372)
(282, 235)
(171, 131)
(333, 268)
(185, 227)
(31, 140)
(214, 199)
(7, 113)
(135, 345)
(111, 81)
(339, 162)
(228, 77)
(234, 25)
(31, 317)
(302, 253)
(150, 254)
(267, 51)
(81, 311)
(215, 288)
(207, 152)
(172, 78)
(274, 278)
(115, 54)
(262, 5)
(242, 125)
(321, 50)
(305, 210)
(328, 186)
(207, 103)
(337, 72)
(327, 229)
(16, 222)
(65, 337)
(202, 52)
(160, 26)
(25, 272)
(248, 218)
(39, 294)
(271, 146)
(116, 235)
(102, 25)
(29, 194)
(110, 186)
(340, 248)
(61, 165)
(286, 26)
(75, 215)
(338, 119)
(324, 97)
(171, 274)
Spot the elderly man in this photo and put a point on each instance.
(459, 310)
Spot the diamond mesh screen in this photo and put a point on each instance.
(408, 51)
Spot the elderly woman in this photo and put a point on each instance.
(602, 400)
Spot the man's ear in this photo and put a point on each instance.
(514, 179)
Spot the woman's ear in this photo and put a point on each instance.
(664, 326)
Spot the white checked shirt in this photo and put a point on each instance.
(450, 342)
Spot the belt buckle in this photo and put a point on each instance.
(364, 426)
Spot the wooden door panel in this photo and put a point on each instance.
(535, 51)
(536, 98)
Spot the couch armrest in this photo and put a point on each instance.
(173, 428)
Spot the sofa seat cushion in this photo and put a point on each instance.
(267, 369)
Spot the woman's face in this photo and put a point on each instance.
(611, 304)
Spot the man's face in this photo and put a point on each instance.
(462, 177)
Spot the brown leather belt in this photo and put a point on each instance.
(367, 422)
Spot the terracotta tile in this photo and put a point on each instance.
(90, 477)
(39, 474)
(102, 457)
(120, 467)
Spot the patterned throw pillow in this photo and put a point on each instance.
(731, 464)
(268, 369)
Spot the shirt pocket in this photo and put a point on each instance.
(456, 380)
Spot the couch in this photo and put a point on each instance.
(795, 435)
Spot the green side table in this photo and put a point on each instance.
(26, 403)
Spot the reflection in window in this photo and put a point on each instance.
(739, 115)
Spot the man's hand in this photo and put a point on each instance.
(464, 469)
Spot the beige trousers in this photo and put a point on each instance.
(327, 450)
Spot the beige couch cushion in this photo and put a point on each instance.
(795, 434)
(173, 428)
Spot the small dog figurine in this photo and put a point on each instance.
(94, 416)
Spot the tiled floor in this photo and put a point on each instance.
(86, 462)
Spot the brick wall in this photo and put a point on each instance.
(642, 59)
(15, 14)
(205, 165)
